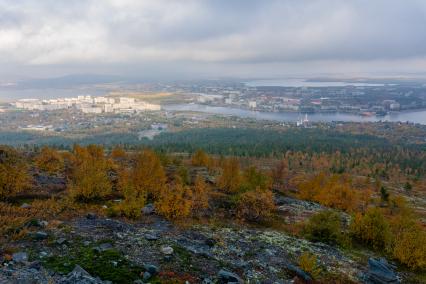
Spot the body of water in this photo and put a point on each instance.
(411, 116)
(305, 83)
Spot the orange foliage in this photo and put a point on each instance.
(89, 175)
(14, 177)
(148, 174)
(49, 160)
(200, 159)
(231, 178)
(174, 201)
(200, 197)
(256, 204)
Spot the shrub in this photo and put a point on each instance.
(409, 242)
(200, 197)
(326, 227)
(174, 201)
(256, 204)
(200, 159)
(230, 179)
(148, 174)
(89, 175)
(50, 161)
(308, 262)
(14, 177)
(371, 228)
(134, 198)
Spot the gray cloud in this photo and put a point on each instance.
(208, 35)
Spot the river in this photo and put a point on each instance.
(410, 116)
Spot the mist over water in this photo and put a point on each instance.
(409, 116)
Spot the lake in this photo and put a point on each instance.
(306, 83)
(411, 116)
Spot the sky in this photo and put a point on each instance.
(212, 38)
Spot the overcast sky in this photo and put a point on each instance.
(242, 38)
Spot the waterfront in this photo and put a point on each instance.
(410, 116)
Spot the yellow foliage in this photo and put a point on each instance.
(308, 262)
(256, 204)
(231, 178)
(148, 174)
(175, 201)
(409, 242)
(89, 176)
(49, 160)
(200, 197)
(200, 159)
(14, 177)
(371, 228)
(134, 198)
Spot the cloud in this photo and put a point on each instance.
(210, 32)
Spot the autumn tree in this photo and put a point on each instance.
(133, 200)
(256, 204)
(89, 175)
(325, 226)
(200, 195)
(230, 179)
(253, 178)
(175, 200)
(200, 159)
(14, 176)
(371, 228)
(118, 153)
(280, 173)
(50, 161)
(148, 174)
(409, 242)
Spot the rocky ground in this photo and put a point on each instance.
(95, 249)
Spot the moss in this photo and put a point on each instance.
(107, 265)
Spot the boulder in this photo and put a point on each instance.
(151, 237)
(61, 241)
(26, 206)
(146, 276)
(152, 269)
(226, 277)
(103, 247)
(380, 272)
(20, 257)
(40, 235)
(167, 250)
(148, 209)
(79, 275)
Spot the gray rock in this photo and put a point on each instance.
(151, 237)
(146, 276)
(226, 277)
(148, 209)
(152, 269)
(26, 206)
(104, 247)
(167, 250)
(380, 272)
(79, 275)
(20, 257)
(40, 235)
(61, 241)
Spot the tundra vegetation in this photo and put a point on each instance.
(367, 199)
